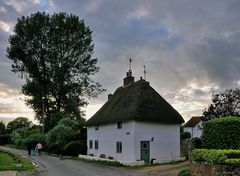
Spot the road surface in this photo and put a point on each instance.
(55, 166)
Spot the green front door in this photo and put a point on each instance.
(145, 151)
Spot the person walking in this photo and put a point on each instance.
(29, 147)
(39, 148)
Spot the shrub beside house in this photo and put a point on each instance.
(220, 137)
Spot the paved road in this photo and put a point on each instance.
(55, 166)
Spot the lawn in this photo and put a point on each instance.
(9, 161)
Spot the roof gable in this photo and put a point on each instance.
(137, 101)
(192, 122)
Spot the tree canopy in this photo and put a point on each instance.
(19, 123)
(226, 103)
(54, 54)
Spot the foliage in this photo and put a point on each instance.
(68, 123)
(76, 135)
(102, 156)
(75, 148)
(224, 104)
(19, 123)
(184, 172)
(2, 128)
(104, 162)
(19, 143)
(226, 157)
(54, 52)
(19, 133)
(57, 135)
(5, 139)
(221, 133)
(53, 119)
(54, 148)
(185, 135)
(35, 138)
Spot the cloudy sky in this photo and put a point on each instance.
(191, 49)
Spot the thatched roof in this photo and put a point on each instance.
(137, 101)
(193, 121)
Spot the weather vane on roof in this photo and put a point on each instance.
(130, 63)
(144, 72)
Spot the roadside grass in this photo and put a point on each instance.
(184, 172)
(9, 161)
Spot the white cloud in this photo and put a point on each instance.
(5, 26)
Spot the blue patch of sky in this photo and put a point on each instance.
(43, 3)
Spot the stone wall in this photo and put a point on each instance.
(205, 169)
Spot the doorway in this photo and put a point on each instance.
(145, 151)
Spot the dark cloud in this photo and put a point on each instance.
(189, 48)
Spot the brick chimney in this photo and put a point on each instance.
(110, 96)
(129, 78)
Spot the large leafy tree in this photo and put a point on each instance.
(54, 54)
(2, 128)
(19, 123)
(226, 103)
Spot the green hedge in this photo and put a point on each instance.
(225, 157)
(75, 148)
(221, 133)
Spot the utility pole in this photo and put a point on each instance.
(43, 114)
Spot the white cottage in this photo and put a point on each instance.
(135, 124)
(194, 126)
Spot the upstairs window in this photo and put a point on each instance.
(90, 144)
(119, 147)
(119, 125)
(96, 127)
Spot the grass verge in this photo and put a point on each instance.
(184, 172)
(9, 161)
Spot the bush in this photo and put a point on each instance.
(35, 138)
(221, 133)
(54, 148)
(57, 135)
(184, 172)
(102, 156)
(5, 139)
(185, 135)
(227, 157)
(75, 148)
(19, 143)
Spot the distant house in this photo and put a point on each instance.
(135, 124)
(194, 126)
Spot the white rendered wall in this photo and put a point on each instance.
(108, 135)
(195, 131)
(165, 145)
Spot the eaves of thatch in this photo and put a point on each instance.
(137, 101)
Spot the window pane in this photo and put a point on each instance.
(96, 127)
(119, 125)
(119, 147)
(90, 144)
(96, 145)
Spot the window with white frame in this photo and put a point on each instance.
(96, 145)
(119, 147)
(119, 125)
(96, 127)
(90, 144)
